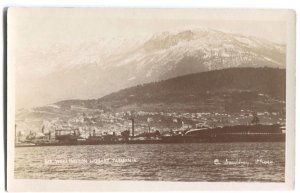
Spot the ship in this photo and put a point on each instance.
(236, 133)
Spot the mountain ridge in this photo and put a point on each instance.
(189, 89)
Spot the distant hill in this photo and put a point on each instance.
(234, 89)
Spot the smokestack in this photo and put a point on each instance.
(49, 135)
(132, 124)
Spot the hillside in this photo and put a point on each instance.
(220, 97)
(221, 90)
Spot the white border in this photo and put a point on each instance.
(156, 3)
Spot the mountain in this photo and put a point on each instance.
(92, 70)
(221, 90)
(231, 92)
(167, 55)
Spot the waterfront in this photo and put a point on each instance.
(262, 162)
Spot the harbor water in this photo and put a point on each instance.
(215, 162)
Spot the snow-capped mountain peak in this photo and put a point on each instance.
(99, 68)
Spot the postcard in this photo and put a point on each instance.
(139, 99)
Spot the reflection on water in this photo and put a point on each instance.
(168, 162)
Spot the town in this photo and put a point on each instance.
(95, 122)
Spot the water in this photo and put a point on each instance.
(262, 162)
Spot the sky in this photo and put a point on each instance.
(42, 40)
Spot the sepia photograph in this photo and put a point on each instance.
(150, 95)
